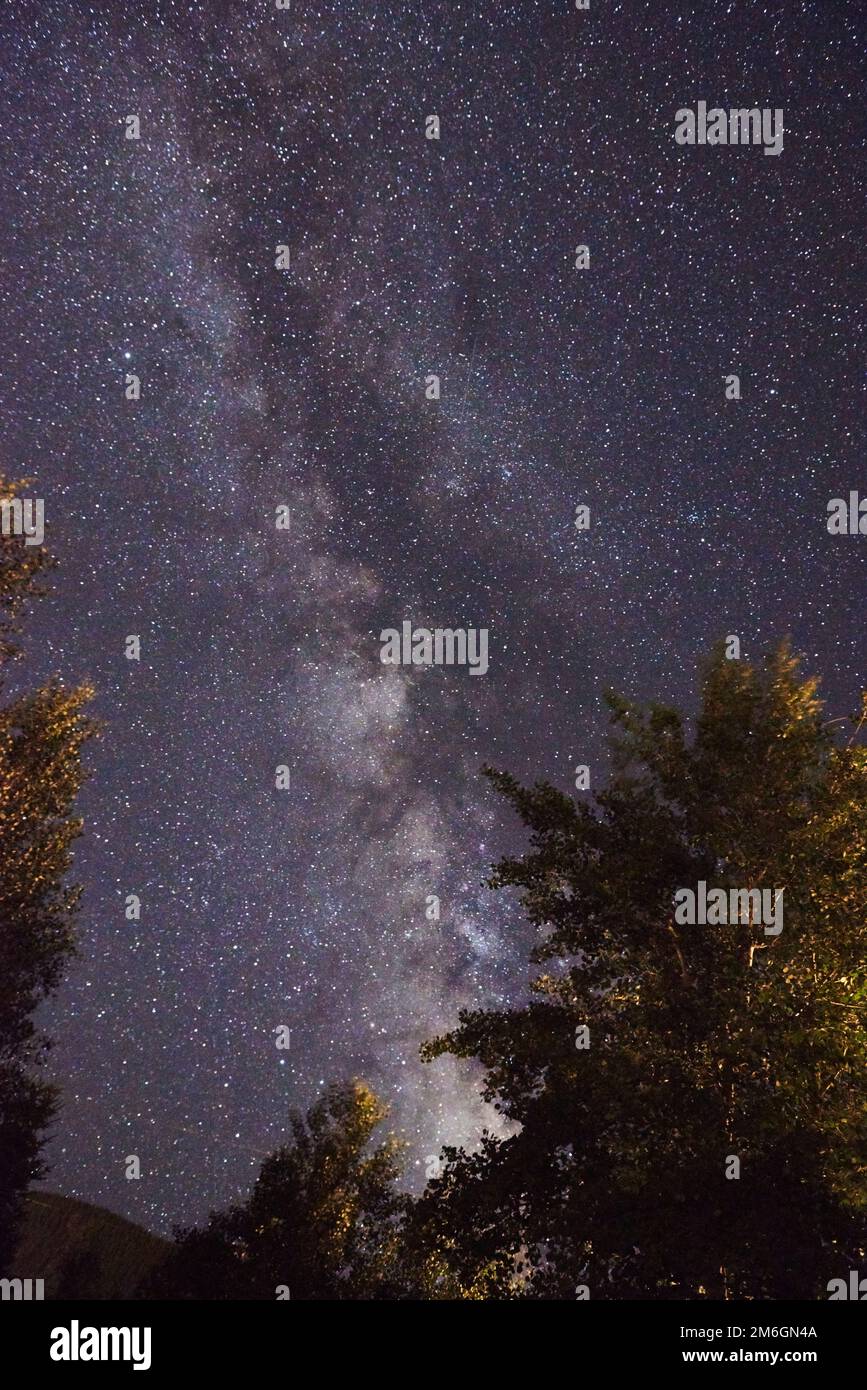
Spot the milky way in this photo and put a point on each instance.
(305, 388)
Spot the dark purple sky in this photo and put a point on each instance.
(306, 388)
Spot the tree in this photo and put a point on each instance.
(41, 738)
(323, 1219)
(708, 1048)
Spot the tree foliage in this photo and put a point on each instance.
(41, 738)
(323, 1219)
(706, 1043)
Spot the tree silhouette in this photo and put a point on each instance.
(322, 1221)
(657, 1059)
(41, 737)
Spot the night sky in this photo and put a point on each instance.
(305, 388)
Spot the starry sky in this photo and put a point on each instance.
(305, 388)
